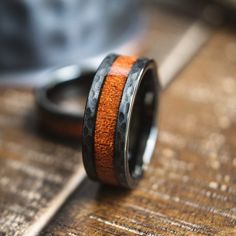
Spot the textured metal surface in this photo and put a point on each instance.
(115, 116)
(189, 187)
(125, 113)
(90, 116)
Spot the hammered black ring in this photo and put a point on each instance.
(119, 126)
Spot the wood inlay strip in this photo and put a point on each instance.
(107, 117)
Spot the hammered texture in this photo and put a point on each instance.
(90, 116)
(121, 160)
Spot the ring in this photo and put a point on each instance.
(60, 104)
(120, 120)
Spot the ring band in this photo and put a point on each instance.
(55, 118)
(119, 127)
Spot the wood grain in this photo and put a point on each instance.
(106, 119)
(36, 173)
(190, 186)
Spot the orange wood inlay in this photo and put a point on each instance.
(106, 119)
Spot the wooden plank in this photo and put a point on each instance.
(36, 175)
(189, 187)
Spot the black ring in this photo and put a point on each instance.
(52, 116)
(133, 144)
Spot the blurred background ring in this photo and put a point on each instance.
(60, 103)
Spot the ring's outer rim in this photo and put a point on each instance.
(138, 71)
(89, 120)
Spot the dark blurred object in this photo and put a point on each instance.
(60, 103)
(43, 33)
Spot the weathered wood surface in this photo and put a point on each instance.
(190, 186)
(36, 174)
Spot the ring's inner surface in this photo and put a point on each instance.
(70, 96)
(142, 120)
